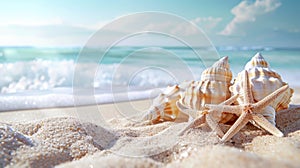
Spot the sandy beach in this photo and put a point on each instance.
(62, 137)
(142, 84)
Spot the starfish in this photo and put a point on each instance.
(204, 117)
(250, 111)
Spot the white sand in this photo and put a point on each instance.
(56, 137)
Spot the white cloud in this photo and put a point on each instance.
(43, 32)
(43, 35)
(204, 23)
(207, 23)
(32, 22)
(173, 28)
(248, 12)
(57, 32)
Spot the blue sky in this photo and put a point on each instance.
(226, 23)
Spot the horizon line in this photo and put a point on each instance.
(222, 47)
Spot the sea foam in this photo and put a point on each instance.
(42, 78)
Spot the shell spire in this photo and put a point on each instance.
(213, 88)
(219, 71)
(222, 63)
(257, 61)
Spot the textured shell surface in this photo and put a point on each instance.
(164, 105)
(269, 114)
(263, 81)
(213, 88)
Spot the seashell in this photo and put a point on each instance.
(164, 105)
(8, 131)
(270, 114)
(263, 82)
(212, 89)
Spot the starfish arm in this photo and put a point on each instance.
(184, 109)
(198, 121)
(267, 100)
(247, 89)
(231, 100)
(236, 127)
(214, 125)
(264, 123)
(225, 108)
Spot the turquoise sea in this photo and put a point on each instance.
(36, 77)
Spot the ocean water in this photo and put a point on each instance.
(47, 77)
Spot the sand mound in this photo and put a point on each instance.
(224, 156)
(56, 140)
(98, 160)
(67, 142)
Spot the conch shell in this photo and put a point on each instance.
(263, 82)
(212, 89)
(164, 105)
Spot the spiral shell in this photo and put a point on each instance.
(263, 82)
(212, 89)
(164, 106)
